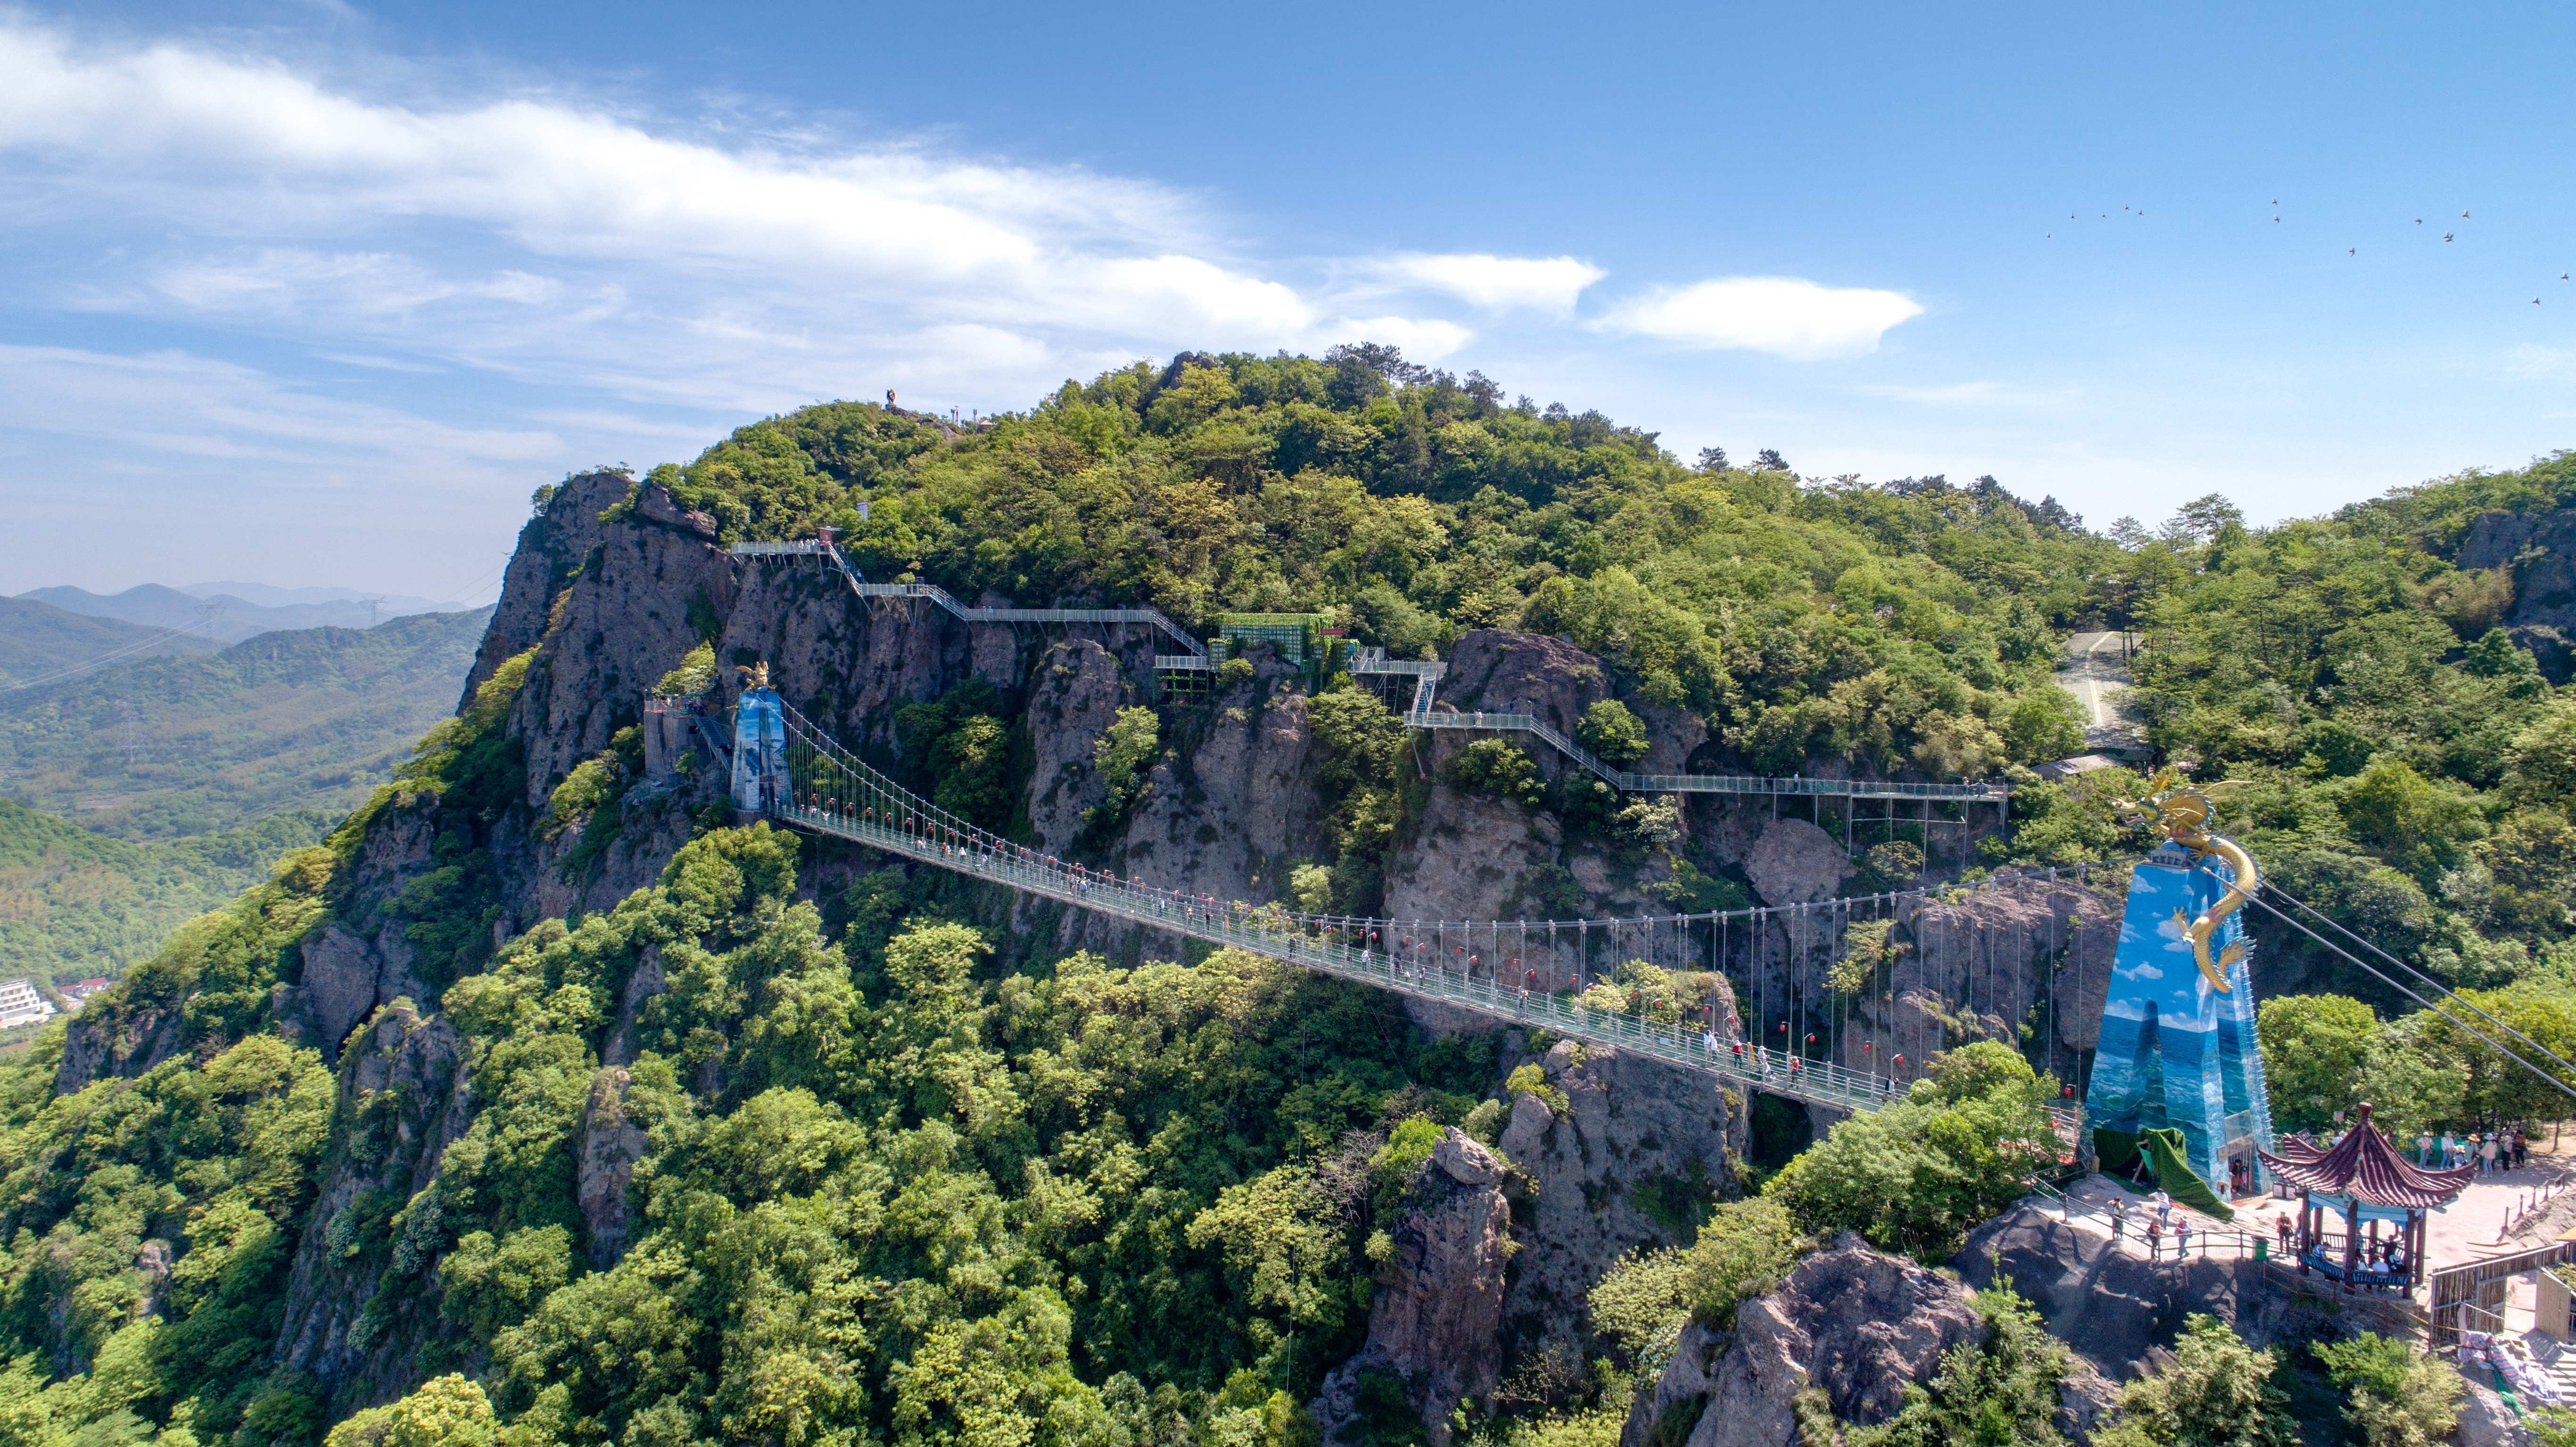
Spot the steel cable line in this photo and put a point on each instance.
(2545, 1077)
(2437, 985)
(99, 661)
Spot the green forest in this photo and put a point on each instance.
(909, 1180)
(75, 904)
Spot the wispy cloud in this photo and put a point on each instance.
(1500, 283)
(1785, 316)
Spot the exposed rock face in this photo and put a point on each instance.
(1525, 673)
(2486, 1420)
(611, 1144)
(1439, 1302)
(1859, 1324)
(114, 1044)
(653, 503)
(1229, 811)
(2541, 551)
(403, 1089)
(1794, 862)
(646, 982)
(1636, 1134)
(345, 979)
(2116, 1310)
(1074, 699)
(1471, 857)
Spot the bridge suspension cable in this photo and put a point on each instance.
(2445, 991)
(2553, 1082)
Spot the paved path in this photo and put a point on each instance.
(2095, 670)
(2465, 1231)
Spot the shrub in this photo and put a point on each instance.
(1498, 769)
(1611, 731)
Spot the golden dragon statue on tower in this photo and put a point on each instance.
(2181, 812)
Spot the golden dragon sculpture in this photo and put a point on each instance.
(2181, 812)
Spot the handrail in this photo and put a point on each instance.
(1424, 718)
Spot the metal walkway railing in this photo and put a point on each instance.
(830, 791)
(1425, 718)
(815, 547)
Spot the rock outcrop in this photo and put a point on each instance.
(114, 1043)
(1794, 862)
(2540, 553)
(1857, 1323)
(1638, 1149)
(1076, 695)
(610, 1144)
(1434, 1322)
(345, 978)
(404, 1093)
(2116, 1310)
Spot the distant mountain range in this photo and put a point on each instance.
(148, 747)
(246, 609)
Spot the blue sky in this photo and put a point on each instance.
(316, 293)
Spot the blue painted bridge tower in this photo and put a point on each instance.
(2177, 1052)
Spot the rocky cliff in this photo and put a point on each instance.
(1627, 1163)
(1435, 1315)
(1856, 1323)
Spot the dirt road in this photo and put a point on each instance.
(2095, 670)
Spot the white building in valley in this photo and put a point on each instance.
(20, 1004)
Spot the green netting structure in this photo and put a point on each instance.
(1298, 637)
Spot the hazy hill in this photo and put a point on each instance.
(155, 606)
(75, 904)
(39, 640)
(296, 719)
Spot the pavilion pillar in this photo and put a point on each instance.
(2351, 1238)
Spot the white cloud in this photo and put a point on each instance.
(1786, 316)
(1500, 283)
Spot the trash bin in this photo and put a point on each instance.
(2262, 1249)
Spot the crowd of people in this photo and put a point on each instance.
(2502, 1150)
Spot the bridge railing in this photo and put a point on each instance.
(810, 547)
(831, 791)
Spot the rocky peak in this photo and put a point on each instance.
(1638, 1150)
(1855, 1322)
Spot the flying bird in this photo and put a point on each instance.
(2562, 276)
(2446, 236)
(2464, 215)
(2352, 251)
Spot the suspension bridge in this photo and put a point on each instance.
(1529, 972)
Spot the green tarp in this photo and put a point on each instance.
(2119, 1150)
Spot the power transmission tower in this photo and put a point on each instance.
(373, 606)
(212, 611)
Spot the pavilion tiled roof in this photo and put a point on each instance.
(2366, 1167)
